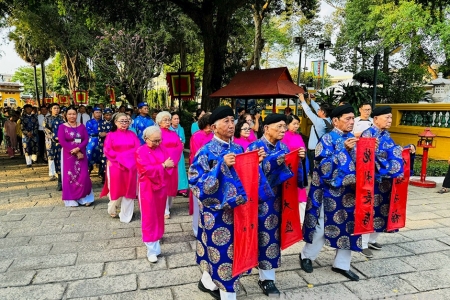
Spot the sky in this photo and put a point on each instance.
(10, 61)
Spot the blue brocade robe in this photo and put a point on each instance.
(388, 165)
(333, 184)
(29, 123)
(51, 126)
(105, 127)
(94, 154)
(140, 124)
(273, 172)
(218, 190)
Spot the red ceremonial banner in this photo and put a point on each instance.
(63, 99)
(365, 183)
(181, 85)
(399, 196)
(80, 97)
(291, 231)
(48, 100)
(246, 215)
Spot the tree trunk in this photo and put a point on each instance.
(36, 86)
(183, 57)
(72, 70)
(257, 18)
(44, 84)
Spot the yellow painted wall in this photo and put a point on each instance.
(14, 95)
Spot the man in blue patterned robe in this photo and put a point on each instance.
(215, 183)
(51, 126)
(273, 173)
(30, 126)
(104, 128)
(93, 127)
(388, 165)
(329, 217)
(142, 121)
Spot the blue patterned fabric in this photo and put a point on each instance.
(388, 165)
(333, 185)
(29, 124)
(105, 127)
(140, 124)
(51, 126)
(273, 172)
(93, 150)
(219, 190)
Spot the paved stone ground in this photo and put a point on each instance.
(48, 251)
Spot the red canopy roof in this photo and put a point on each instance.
(268, 83)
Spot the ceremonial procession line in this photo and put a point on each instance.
(48, 251)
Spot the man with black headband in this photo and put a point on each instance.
(273, 173)
(388, 165)
(29, 124)
(329, 217)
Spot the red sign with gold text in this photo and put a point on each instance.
(246, 215)
(291, 231)
(365, 182)
(399, 196)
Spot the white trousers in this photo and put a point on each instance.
(267, 274)
(126, 209)
(210, 285)
(153, 248)
(88, 199)
(28, 159)
(302, 208)
(51, 168)
(168, 205)
(311, 251)
(369, 238)
(195, 216)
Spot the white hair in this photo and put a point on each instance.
(162, 115)
(150, 130)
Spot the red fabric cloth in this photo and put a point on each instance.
(294, 141)
(172, 144)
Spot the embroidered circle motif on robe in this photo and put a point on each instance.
(203, 161)
(213, 255)
(263, 209)
(280, 159)
(310, 221)
(327, 140)
(273, 251)
(384, 186)
(228, 216)
(193, 173)
(377, 199)
(230, 251)
(349, 179)
(336, 192)
(342, 158)
(211, 185)
(332, 231)
(318, 194)
(350, 227)
(204, 266)
(315, 179)
(378, 223)
(384, 210)
(277, 204)
(343, 242)
(209, 220)
(225, 170)
(219, 284)
(271, 222)
(200, 249)
(236, 286)
(204, 238)
(277, 234)
(212, 203)
(229, 190)
(351, 166)
(266, 167)
(263, 238)
(329, 204)
(319, 149)
(397, 152)
(395, 167)
(325, 168)
(221, 236)
(340, 216)
(348, 200)
(224, 271)
(327, 242)
(359, 242)
(308, 204)
(265, 265)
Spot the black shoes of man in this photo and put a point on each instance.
(269, 289)
(306, 265)
(215, 294)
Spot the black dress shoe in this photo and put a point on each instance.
(215, 294)
(269, 289)
(59, 187)
(349, 274)
(306, 264)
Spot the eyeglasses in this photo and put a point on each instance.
(279, 127)
(245, 129)
(165, 120)
(124, 121)
(155, 141)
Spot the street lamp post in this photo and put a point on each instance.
(325, 45)
(300, 42)
(376, 61)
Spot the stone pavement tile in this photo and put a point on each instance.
(126, 242)
(179, 219)
(25, 251)
(22, 224)
(115, 223)
(325, 276)
(31, 210)
(388, 266)
(106, 256)
(4, 264)
(419, 247)
(428, 261)
(169, 277)
(292, 262)
(166, 249)
(443, 221)
(84, 227)
(435, 295)
(102, 286)
(393, 238)
(48, 215)
(445, 230)
(324, 292)
(190, 291)
(425, 215)
(181, 260)
(443, 213)
(284, 281)
(14, 241)
(56, 238)
(172, 228)
(72, 209)
(420, 208)
(9, 218)
(294, 249)
(377, 288)
(428, 280)
(108, 234)
(65, 221)
(187, 227)
(445, 240)
(19, 278)
(423, 234)
(33, 231)
(177, 237)
(3, 232)
(156, 294)
(44, 291)
(43, 262)
(326, 258)
(69, 273)
(75, 247)
(134, 266)
(389, 251)
(422, 224)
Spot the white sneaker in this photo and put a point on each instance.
(152, 258)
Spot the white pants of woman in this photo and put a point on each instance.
(195, 216)
(153, 248)
(369, 238)
(302, 208)
(126, 208)
(168, 205)
(51, 168)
